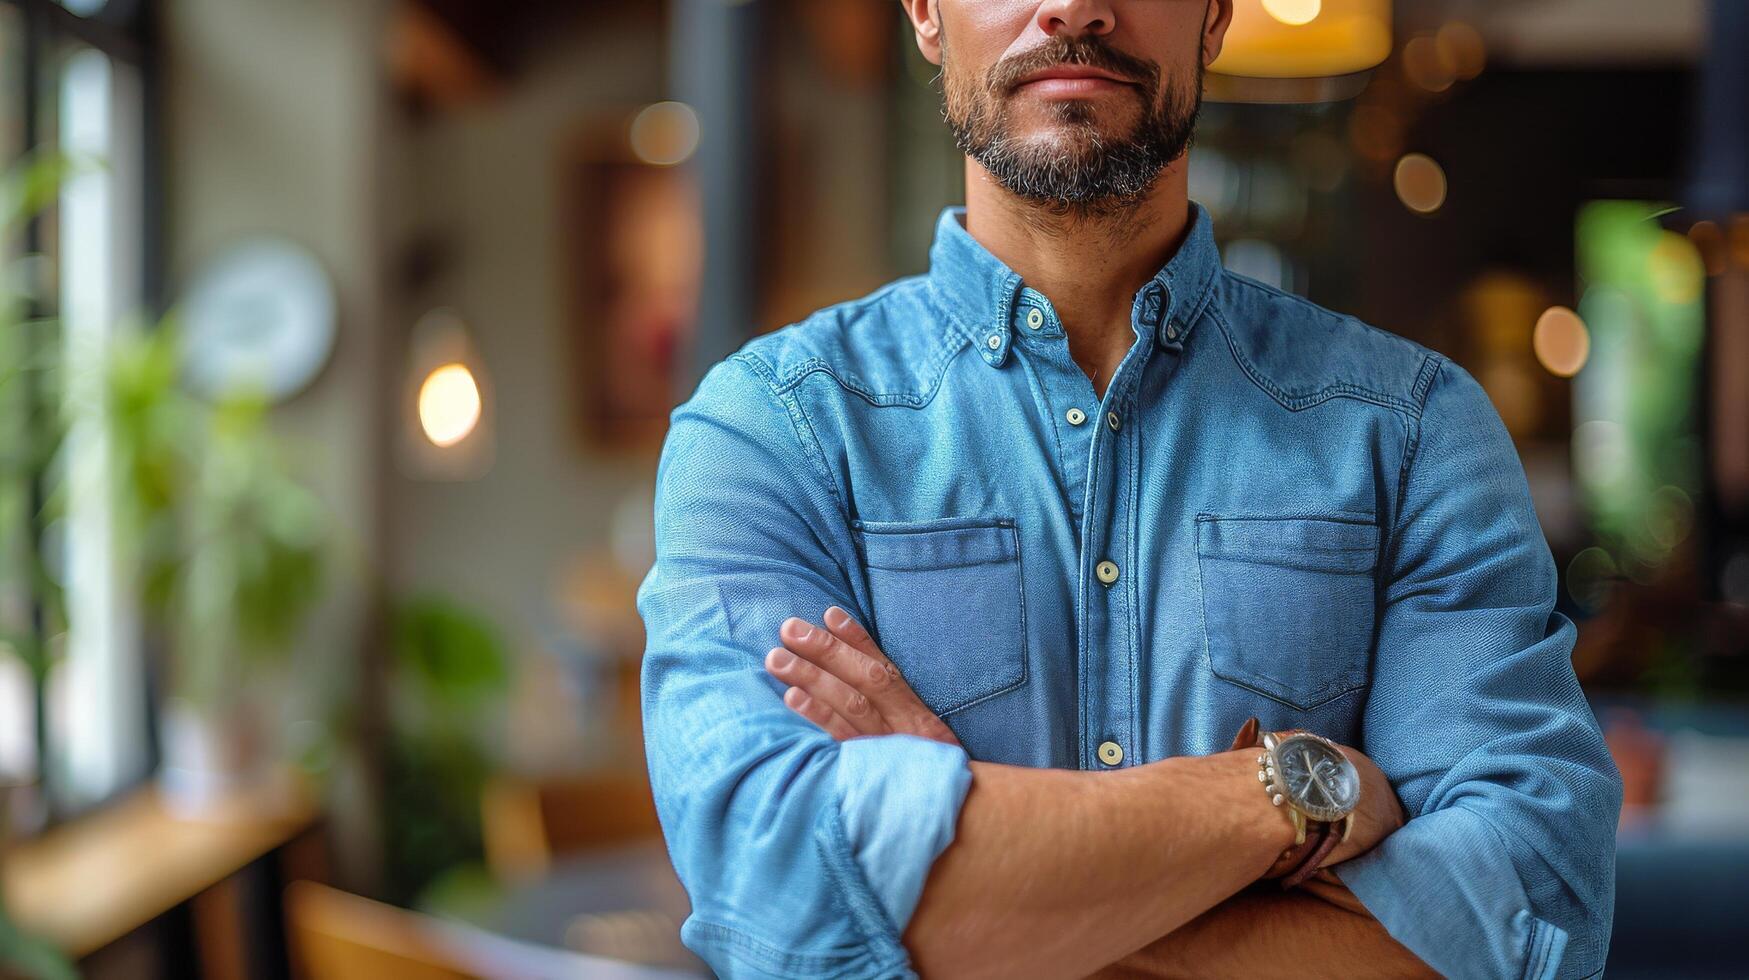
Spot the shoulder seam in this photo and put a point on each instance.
(810, 444)
(1431, 367)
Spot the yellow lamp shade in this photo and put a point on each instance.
(1305, 38)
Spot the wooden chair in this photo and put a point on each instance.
(335, 935)
(529, 823)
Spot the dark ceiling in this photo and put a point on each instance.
(504, 33)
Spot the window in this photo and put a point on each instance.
(73, 709)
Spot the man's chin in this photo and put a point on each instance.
(1069, 148)
(1067, 135)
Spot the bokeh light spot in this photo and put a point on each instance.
(1420, 183)
(1425, 65)
(1591, 576)
(1461, 48)
(665, 133)
(1561, 341)
(1677, 269)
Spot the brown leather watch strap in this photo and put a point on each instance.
(1328, 837)
(1248, 736)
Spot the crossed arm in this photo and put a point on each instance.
(1077, 856)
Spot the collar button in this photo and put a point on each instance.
(1153, 302)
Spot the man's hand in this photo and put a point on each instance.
(1378, 815)
(840, 680)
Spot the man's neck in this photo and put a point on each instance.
(1088, 266)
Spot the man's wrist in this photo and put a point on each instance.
(1261, 828)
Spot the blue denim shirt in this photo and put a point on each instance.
(1310, 519)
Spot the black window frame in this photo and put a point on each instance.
(124, 31)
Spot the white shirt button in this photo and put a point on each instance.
(1111, 420)
(1110, 753)
(995, 341)
(1075, 416)
(1171, 332)
(1035, 318)
(1106, 570)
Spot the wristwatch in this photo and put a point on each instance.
(1311, 777)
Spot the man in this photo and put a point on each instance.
(1098, 502)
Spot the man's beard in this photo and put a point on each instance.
(1084, 173)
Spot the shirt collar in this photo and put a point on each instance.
(980, 292)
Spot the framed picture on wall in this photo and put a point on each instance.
(634, 253)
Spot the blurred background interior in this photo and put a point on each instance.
(338, 339)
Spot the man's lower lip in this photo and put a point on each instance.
(1072, 86)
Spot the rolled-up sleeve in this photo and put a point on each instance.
(1506, 867)
(802, 856)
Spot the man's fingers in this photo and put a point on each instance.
(878, 669)
(874, 677)
(846, 628)
(816, 711)
(850, 704)
(846, 653)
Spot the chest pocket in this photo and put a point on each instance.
(1288, 603)
(948, 605)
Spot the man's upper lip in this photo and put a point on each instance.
(1072, 71)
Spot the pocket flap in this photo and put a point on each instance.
(948, 542)
(1318, 544)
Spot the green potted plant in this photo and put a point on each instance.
(231, 551)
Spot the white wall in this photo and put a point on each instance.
(274, 122)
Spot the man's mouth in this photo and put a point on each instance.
(1072, 80)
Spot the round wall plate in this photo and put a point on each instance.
(258, 318)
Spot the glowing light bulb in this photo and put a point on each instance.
(449, 405)
(1293, 12)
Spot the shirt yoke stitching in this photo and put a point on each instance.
(1335, 389)
(1298, 402)
(944, 349)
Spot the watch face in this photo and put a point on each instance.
(1318, 778)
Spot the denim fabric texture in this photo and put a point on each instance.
(1312, 520)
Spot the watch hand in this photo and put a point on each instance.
(1313, 780)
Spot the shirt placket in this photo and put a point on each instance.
(1068, 399)
(1094, 439)
(1108, 536)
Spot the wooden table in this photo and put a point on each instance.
(87, 883)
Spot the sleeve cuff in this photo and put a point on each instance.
(1443, 886)
(899, 800)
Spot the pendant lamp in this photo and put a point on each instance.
(1300, 50)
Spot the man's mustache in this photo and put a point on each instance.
(1005, 75)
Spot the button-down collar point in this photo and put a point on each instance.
(973, 287)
